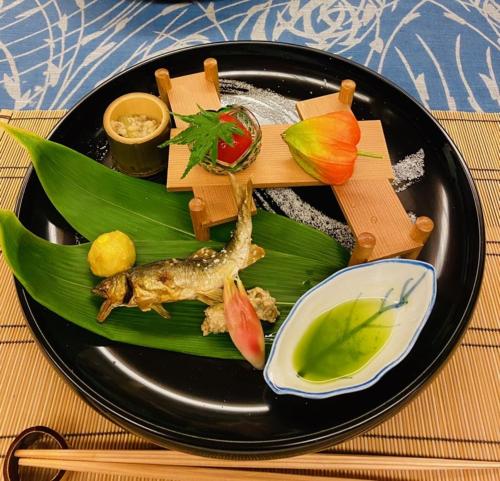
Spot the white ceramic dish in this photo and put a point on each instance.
(372, 280)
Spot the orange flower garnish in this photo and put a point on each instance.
(325, 146)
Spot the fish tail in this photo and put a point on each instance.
(239, 245)
(242, 193)
(248, 193)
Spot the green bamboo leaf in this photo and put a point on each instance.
(282, 234)
(58, 277)
(95, 199)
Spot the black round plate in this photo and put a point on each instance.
(220, 407)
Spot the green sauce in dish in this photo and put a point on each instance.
(343, 339)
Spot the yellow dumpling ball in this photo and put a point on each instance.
(111, 253)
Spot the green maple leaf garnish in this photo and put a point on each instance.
(203, 135)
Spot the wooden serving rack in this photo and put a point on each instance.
(374, 212)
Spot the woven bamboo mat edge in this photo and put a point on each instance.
(432, 425)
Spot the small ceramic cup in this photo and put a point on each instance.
(139, 157)
(407, 286)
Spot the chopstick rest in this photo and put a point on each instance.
(36, 436)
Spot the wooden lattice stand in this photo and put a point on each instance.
(377, 218)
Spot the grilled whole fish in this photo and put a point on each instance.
(200, 276)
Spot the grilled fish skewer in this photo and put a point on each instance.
(200, 276)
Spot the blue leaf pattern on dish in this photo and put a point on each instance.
(445, 53)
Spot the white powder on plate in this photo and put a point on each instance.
(295, 208)
(408, 171)
(268, 106)
(412, 216)
(263, 203)
(272, 108)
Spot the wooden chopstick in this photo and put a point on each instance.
(173, 473)
(304, 462)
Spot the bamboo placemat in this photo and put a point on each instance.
(457, 416)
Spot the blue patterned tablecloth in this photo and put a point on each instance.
(446, 53)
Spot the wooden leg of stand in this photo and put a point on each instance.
(363, 249)
(212, 72)
(420, 232)
(197, 209)
(347, 89)
(163, 83)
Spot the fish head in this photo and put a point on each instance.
(115, 290)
